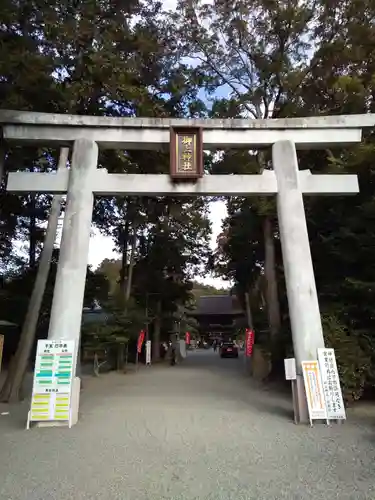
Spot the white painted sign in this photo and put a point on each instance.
(314, 390)
(52, 382)
(148, 352)
(183, 348)
(331, 385)
(290, 369)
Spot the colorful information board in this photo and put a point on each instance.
(331, 385)
(53, 377)
(314, 390)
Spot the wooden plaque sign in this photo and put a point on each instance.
(186, 153)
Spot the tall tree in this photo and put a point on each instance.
(254, 54)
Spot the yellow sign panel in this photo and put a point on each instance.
(186, 153)
(314, 390)
(52, 381)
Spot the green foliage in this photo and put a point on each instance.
(119, 327)
(199, 290)
(354, 361)
(18, 285)
(110, 269)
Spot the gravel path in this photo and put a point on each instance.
(200, 430)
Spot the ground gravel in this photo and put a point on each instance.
(200, 430)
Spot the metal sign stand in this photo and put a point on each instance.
(295, 405)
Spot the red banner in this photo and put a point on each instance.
(249, 342)
(187, 338)
(141, 338)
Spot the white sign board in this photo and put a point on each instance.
(183, 348)
(331, 385)
(52, 382)
(148, 352)
(290, 369)
(314, 390)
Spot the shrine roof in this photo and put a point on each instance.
(217, 305)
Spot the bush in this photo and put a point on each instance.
(353, 360)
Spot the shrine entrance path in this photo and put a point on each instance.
(200, 430)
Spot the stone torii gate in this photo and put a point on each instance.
(87, 134)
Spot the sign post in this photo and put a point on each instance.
(51, 399)
(291, 374)
(314, 391)
(331, 385)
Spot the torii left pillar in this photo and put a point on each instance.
(67, 304)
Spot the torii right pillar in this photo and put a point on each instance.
(303, 303)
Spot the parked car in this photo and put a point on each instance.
(228, 350)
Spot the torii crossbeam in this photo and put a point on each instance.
(103, 183)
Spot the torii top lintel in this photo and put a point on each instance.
(153, 133)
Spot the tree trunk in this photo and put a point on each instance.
(131, 266)
(11, 390)
(121, 362)
(126, 357)
(273, 308)
(249, 316)
(32, 232)
(2, 162)
(157, 331)
(124, 259)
